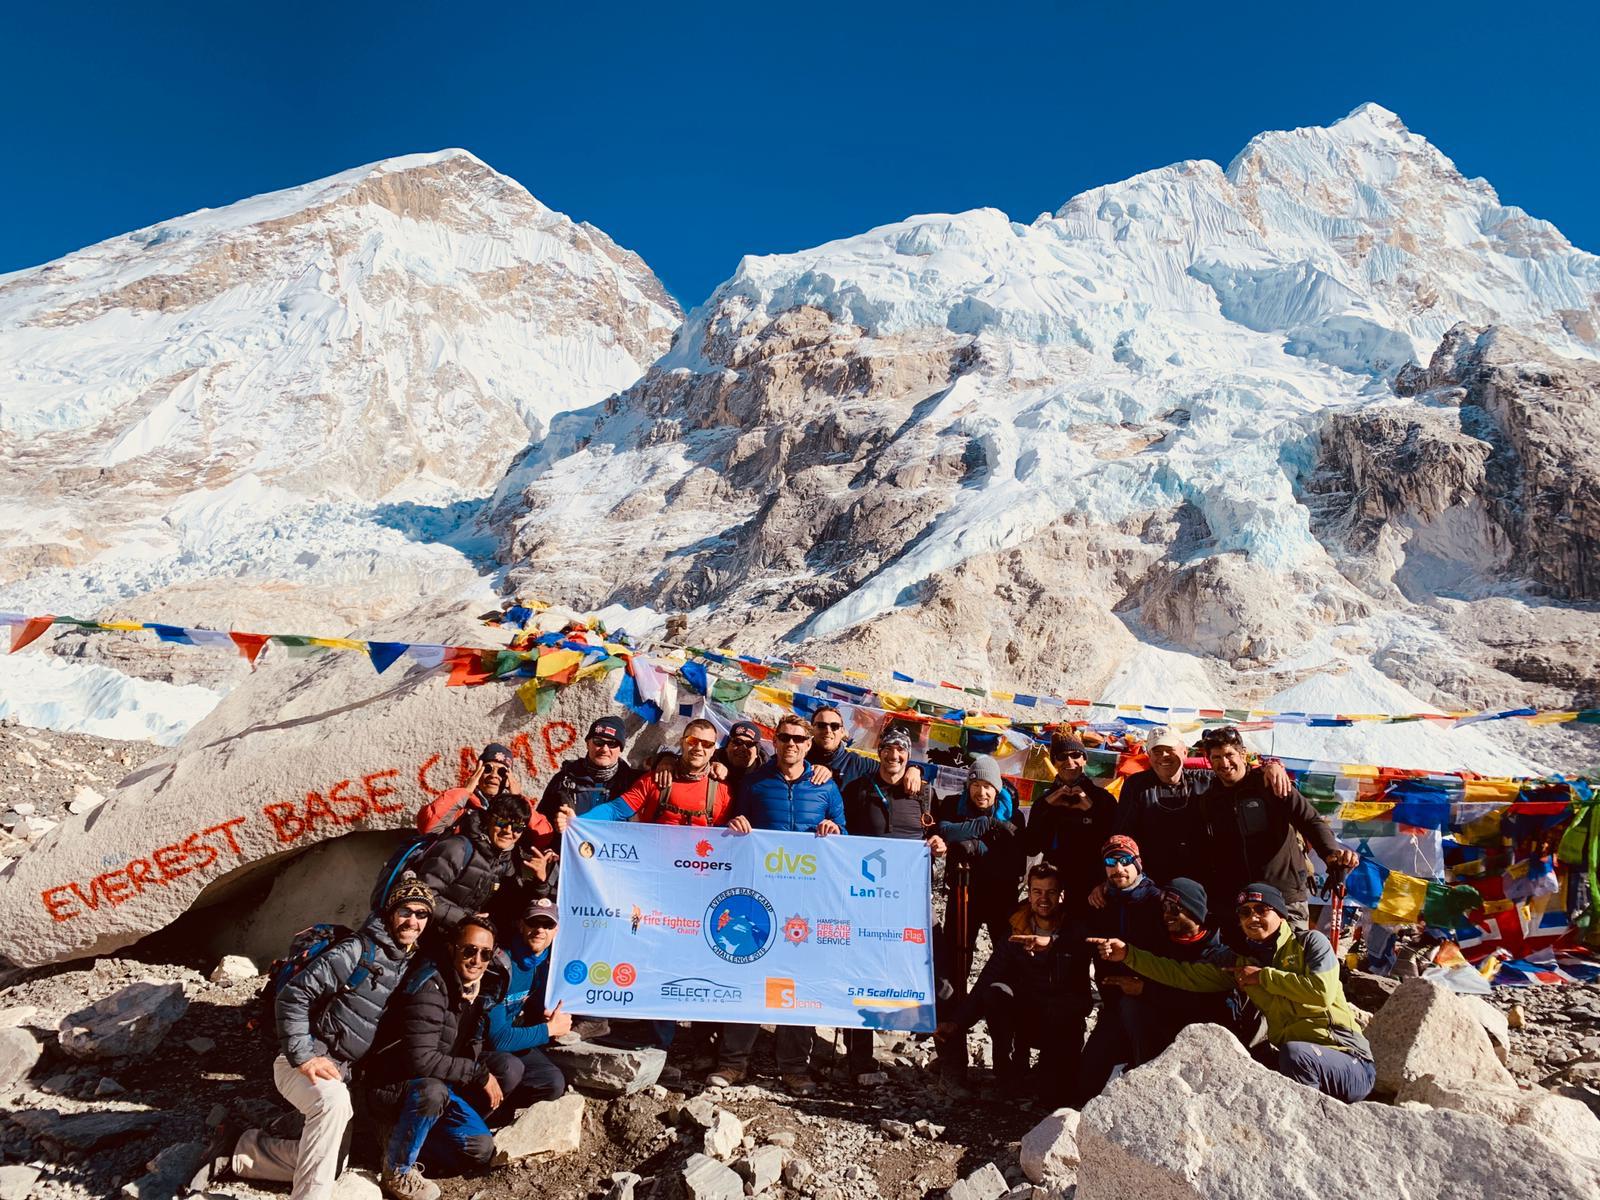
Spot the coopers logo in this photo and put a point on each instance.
(699, 990)
(790, 866)
(609, 851)
(609, 983)
(702, 861)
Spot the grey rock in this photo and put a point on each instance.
(929, 1130)
(986, 1183)
(698, 1112)
(546, 1129)
(1566, 1124)
(170, 1172)
(623, 1184)
(87, 1131)
(782, 1137)
(724, 1135)
(19, 1054)
(1140, 1137)
(1425, 1028)
(1049, 1150)
(897, 1130)
(18, 1014)
(128, 1023)
(201, 1045)
(357, 1184)
(796, 1171)
(606, 1070)
(234, 968)
(16, 1181)
(761, 1168)
(706, 1179)
(108, 1087)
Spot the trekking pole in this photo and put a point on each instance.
(1334, 889)
(961, 901)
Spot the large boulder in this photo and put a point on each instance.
(1565, 1123)
(546, 1129)
(1205, 1122)
(129, 1023)
(1050, 1149)
(19, 1054)
(304, 751)
(1426, 1029)
(607, 1070)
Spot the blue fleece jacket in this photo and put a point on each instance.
(769, 801)
(523, 996)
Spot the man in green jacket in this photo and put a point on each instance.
(1292, 977)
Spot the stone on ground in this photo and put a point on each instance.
(1426, 1029)
(18, 1014)
(608, 1070)
(234, 968)
(1205, 1122)
(1566, 1123)
(170, 1172)
(129, 1023)
(724, 1135)
(1050, 1148)
(986, 1183)
(796, 1172)
(357, 1184)
(761, 1168)
(86, 1131)
(548, 1128)
(623, 1184)
(1495, 1024)
(19, 1054)
(706, 1179)
(16, 1181)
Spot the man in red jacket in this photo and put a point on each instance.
(694, 797)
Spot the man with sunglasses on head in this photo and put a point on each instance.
(327, 1019)
(467, 868)
(780, 795)
(1292, 977)
(1132, 913)
(1252, 833)
(431, 1083)
(1071, 821)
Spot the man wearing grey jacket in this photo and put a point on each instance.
(327, 1017)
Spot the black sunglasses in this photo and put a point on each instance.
(475, 953)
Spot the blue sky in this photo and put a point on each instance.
(697, 133)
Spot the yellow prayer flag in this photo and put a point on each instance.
(556, 662)
(121, 626)
(1490, 789)
(775, 696)
(1358, 771)
(528, 693)
(943, 733)
(1365, 810)
(1401, 902)
(338, 644)
(1552, 718)
(893, 703)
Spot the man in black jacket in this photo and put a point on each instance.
(327, 1017)
(1071, 822)
(1034, 993)
(430, 1082)
(466, 868)
(599, 776)
(884, 804)
(1189, 940)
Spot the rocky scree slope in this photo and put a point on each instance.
(1046, 454)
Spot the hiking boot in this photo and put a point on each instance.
(726, 1077)
(216, 1163)
(409, 1185)
(800, 1085)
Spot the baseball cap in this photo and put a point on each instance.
(541, 909)
(1170, 738)
(745, 731)
(1263, 893)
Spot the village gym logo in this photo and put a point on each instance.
(740, 925)
(608, 851)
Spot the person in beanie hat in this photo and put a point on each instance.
(1132, 912)
(1070, 822)
(1184, 906)
(599, 776)
(887, 803)
(327, 1018)
(1292, 977)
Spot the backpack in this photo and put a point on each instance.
(307, 945)
(708, 805)
(405, 857)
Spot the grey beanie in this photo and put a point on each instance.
(987, 770)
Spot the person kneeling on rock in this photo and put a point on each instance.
(327, 1018)
(430, 1083)
(519, 1023)
(1292, 976)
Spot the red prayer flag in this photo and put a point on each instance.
(469, 667)
(22, 634)
(250, 645)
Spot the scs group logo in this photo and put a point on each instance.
(609, 983)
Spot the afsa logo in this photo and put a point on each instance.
(609, 851)
(609, 983)
(781, 862)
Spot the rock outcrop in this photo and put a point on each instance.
(1205, 1122)
(1425, 1028)
(304, 752)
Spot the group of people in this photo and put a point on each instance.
(1184, 899)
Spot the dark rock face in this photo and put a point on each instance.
(1503, 430)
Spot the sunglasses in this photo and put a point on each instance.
(509, 823)
(496, 768)
(1059, 755)
(1118, 860)
(794, 739)
(607, 743)
(413, 914)
(747, 743)
(1254, 910)
(828, 724)
(698, 743)
(475, 953)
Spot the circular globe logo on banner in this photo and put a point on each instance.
(740, 926)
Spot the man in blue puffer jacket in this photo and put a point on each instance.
(519, 1023)
(779, 795)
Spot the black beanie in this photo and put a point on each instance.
(1190, 897)
(1263, 893)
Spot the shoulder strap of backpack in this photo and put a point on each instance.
(364, 967)
(711, 797)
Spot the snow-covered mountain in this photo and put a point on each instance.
(1110, 450)
(300, 390)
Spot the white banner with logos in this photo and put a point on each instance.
(692, 924)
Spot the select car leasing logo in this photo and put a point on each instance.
(781, 993)
(609, 851)
(698, 989)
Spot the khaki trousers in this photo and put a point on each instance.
(310, 1162)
